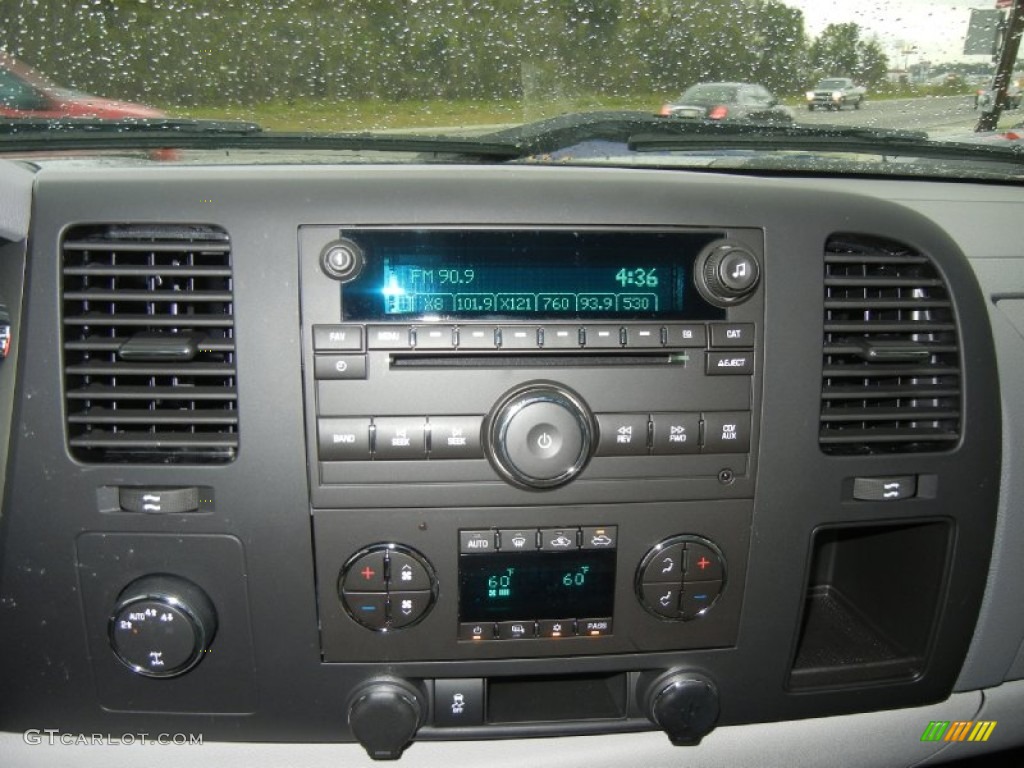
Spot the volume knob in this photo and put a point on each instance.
(540, 436)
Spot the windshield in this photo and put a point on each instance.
(476, 69)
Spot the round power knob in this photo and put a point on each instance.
(342, 260)
(684, 705)
(540, 436)
(384, 715)
(162, 625)
(727, 273)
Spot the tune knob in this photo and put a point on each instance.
(540, 436)
(384, 715)
(162, 625)
(726, 273)
(684, 705)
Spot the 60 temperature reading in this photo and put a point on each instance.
(576, 579)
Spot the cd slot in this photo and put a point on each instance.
(536, 360)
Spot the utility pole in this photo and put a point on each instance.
(1004, 71)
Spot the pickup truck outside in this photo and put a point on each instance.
(835, 93)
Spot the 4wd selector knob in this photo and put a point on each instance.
(162, 625)
(540, 436)
(726, 273)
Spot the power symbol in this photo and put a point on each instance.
(544, 441)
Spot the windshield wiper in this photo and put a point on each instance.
(645, 132)
(35, 134)
(817, 138)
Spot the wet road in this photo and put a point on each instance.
(937, 115)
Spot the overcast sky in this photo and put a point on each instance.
(936, 27)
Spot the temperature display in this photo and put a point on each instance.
(443, 274)
(536, 585)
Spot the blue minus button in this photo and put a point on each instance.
(368, 609)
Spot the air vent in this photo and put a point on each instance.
(891, 377)
(149, 351)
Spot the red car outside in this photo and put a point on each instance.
(27, 93)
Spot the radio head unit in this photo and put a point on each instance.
(521, 275)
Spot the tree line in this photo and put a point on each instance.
(173, 52)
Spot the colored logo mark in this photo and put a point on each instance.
(958, 730)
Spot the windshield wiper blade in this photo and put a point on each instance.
(173, 133)
(675, 136)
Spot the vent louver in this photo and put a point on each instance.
(892, 374)
(149, 351)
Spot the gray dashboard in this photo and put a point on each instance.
(839, 613)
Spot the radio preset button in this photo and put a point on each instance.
(727, 432)
(602, 336)
(476, 542)
(675, 433)
(518, 337)
(389, 337)
(337, 338)
(339, 367)
(399, 438)
(477, 337)
(435, 337)
(455, 437)
(622, 434)
(686, 336)
(343, 439)
(561, 336)
(643, 336)
(730, 363)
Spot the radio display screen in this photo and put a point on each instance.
(536, 585)
(527, 274)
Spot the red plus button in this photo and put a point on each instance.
(702, 563)
(366, 574)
